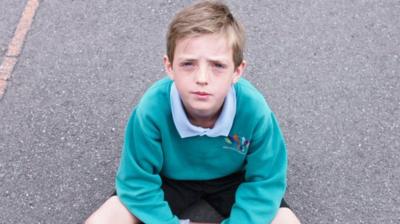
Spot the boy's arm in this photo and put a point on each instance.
(259, 196)
(138, 182)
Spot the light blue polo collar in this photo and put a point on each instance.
(222, 126)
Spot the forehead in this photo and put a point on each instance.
(213, 46)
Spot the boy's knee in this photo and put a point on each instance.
(96, 219)
(91, 220)
(112, 211)
(285, 216)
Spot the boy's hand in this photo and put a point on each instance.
(187, 221)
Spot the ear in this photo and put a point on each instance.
(168, 67)
(239, 71)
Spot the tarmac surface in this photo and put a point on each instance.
(330, 70)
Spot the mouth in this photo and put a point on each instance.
(199, 93)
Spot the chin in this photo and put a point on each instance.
(202, 111)
(202, 108)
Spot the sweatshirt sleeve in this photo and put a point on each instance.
(258, 198)
(138, 182)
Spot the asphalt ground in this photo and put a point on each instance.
(10, 12)
(330, 70)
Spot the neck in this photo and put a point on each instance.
(204, 122)
(209, 123)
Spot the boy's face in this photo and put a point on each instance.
(203, 71)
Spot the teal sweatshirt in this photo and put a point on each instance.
(153, 147)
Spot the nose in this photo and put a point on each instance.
(202, 76)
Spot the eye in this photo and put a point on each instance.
(187, 64)
(219, 65)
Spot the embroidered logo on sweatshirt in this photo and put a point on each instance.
(236, 143)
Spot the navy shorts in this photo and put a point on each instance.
(219, 193)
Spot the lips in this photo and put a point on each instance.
(199, 93)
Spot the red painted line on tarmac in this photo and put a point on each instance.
(3, 85)
(6, 67)
(16, 43)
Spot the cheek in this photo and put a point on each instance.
(222, 90)
(182, 83)
(182, 88)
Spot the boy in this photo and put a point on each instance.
(204, 132)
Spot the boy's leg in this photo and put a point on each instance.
(178, 194)
(285, 216)
(112, 212)
(221, 197)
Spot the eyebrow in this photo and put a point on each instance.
(186, 59)
(218, 61)
(213, 60)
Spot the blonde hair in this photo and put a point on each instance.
(206, 17)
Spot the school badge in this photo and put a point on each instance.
(236, 143)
